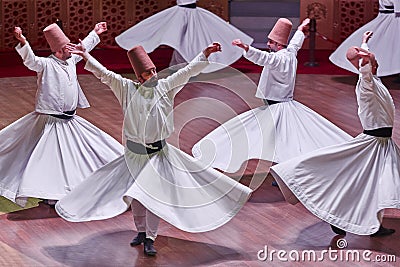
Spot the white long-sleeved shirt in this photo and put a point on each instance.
(375, 104)
(58, 89)
(148, 110)
(278, 76)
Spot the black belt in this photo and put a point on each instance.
(271, 102)
(143, 150)
(66, 116)
(380, 132)
(386, 11)
(389, 9)
(189, 5)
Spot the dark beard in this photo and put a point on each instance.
(152, 82)
(269, 49)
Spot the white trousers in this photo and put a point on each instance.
(145, 220)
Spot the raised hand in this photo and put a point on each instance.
(100, 27)
(366, 36)
(240, 44)
(212, 48)
(304, 25)
(77, 49)
(18, 34)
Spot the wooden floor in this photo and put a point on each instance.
(38, 237)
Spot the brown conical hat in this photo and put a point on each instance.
(55, 37)
(355, 51)
(281, 31)
(353, 55)
(140, 60)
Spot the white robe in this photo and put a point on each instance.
(169, 183)
(274, 133)
(349, 184)
(46, 157)
(188, 31)
(385, 27)
(57, 79)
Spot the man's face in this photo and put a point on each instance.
(149, 78)
(273, 46)
(65, 54)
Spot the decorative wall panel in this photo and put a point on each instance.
(80, 19)
(337, 19)
(118, 14)
(46, 13)
(323, 12)
(14, 13)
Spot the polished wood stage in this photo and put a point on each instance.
(38, 237)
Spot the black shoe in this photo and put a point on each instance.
(383, 232)
(139, 239)
(338, 231)
(149, 249)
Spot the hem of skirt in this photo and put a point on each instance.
(10, 195)
(395, 204)
(73, 218)
(232, 171)
(326, 216)
(200, 229)
(42, 195)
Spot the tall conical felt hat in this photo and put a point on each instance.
(281, 31)
(140, 60)
(55, 37)
(352, 53)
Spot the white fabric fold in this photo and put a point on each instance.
(188, 31)
(385, 28)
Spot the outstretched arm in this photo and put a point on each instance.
(366, 37)
(116, 82)
(368, 57)
(25, 51)
(176, 81)
(298, 38)
(93, 39)
(240, 44)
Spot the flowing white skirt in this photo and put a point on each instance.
(45, 157)
(188, 31)
(274, 133)
(171, 184)
(384, 44)
(346, 185)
